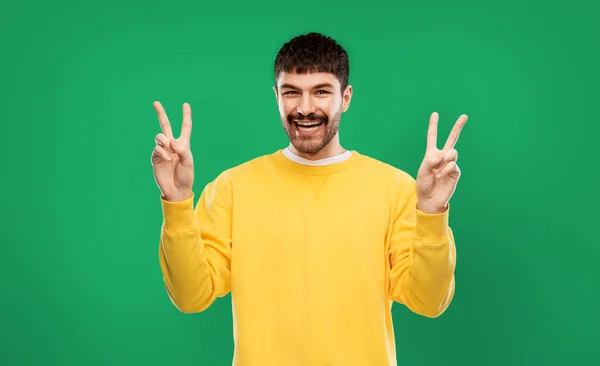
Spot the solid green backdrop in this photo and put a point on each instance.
(81, 283)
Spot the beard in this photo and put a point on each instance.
(311, 144)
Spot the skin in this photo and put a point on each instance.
(438, 173)
(316, 96)
(312, 96)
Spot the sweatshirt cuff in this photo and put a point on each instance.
(178, 216)
(432, 228)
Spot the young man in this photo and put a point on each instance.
(314, 242)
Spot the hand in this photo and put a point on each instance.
(172, 159)
(438, 173)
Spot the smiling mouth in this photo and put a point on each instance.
(308, 126)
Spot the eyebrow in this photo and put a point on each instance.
(319, 86)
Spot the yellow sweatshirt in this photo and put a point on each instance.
(314, 257)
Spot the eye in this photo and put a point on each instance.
(322, 92)
(289, 92)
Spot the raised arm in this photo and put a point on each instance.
(195, 247)
(195, 243)
(422, 256)
(422, 251)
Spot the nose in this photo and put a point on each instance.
(306, 106)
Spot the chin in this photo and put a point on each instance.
(309, 146)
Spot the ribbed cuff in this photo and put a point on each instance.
(178, 216)
(432, 228)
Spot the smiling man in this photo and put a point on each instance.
(314, 242)
(311, 104)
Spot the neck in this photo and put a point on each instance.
(330, 150)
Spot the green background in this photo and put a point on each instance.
(80, 278)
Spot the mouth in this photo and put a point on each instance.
(307, 127)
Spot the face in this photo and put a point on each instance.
(310, 107)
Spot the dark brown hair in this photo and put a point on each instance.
(313, 52)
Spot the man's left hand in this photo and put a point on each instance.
(438, 174)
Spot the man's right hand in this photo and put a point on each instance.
(172, 159)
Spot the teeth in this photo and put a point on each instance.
(309, 124)
(308, 129)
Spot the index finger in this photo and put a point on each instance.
(165, 125)
(455, 132)
(432, 131)
(186, 128)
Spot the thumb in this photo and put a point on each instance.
(183, 151)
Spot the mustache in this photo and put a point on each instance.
(310, 117)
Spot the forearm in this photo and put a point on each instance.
(425, 278)
(191, 279)
(185, 271)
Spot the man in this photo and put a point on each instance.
(314, 242)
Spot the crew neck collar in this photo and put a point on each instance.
(323, 166)
(320, 162)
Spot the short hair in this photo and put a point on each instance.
(313, 52)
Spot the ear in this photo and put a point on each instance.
(275, 90)
(346, 98)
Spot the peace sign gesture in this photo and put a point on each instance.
(172, 159)
(438, 173)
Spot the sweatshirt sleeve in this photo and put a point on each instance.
(422, 255)
(195, 247)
